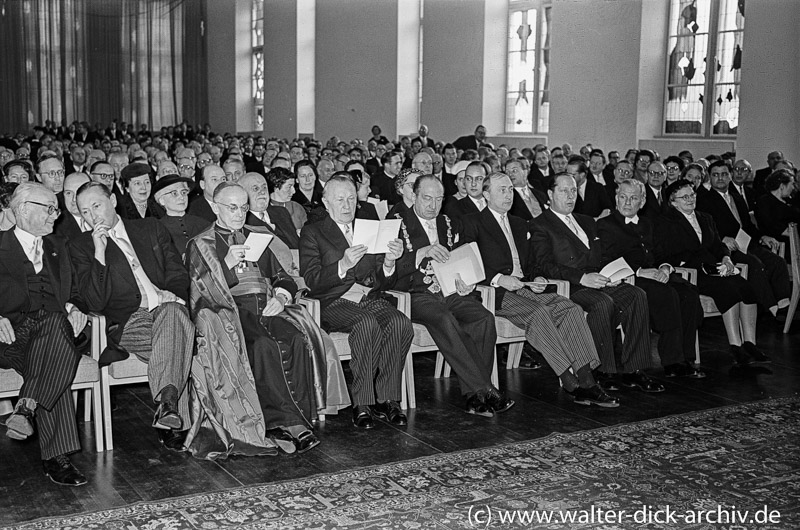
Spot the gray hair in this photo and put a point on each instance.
(23, 193)
(633, 183)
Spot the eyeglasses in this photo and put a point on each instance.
(672, 169)
(657, 173)
(741, 170)
(688, 197)
(108, 177)
(50, 208)
(178, 193)
(625, 172)
(56, 173)
(233, 208)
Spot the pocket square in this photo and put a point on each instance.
(529, 235)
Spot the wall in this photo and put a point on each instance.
(280, 68)
(356, 67)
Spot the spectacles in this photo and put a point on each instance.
(673, 169)
(50, 208)
(657, 173)
(688, 197)
(625, 172)
(178, 193)
(741, 170)
(56, 173)
(104, 176)
(233, 208)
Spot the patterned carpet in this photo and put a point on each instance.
(730, 468)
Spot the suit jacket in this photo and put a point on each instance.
(111, 289)
(127, 209)
(284, 226)
(66, 226)
(634, 242)
(594, 201)
(520, 209)
(449, 182)
(651, 208)
(714, 204)
(366, 210)
(773, 216)
(199, 207)
(322, 245)
(759, 180)
(467, 142)
(15, 301)
(382, 186)
(410, 277)
(483, 229)
(678, 244)
(427, 142)
(749, 196)
(537, 179)
(556, 252)
(460, 208)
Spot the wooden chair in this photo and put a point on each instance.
(794, 267)
(87, 378)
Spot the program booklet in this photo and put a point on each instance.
(465, 262)
(617, 270)
(375, 234)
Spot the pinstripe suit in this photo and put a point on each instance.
(553, 325)
(380, 336)
(556, 252)
(43, 352)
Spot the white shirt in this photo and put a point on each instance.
(479, 203)
(517, 265)
(28, 242)
(692, 218)
(581, 234)
(599, 179)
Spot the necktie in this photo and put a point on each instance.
(741, 192)
(517, 266)
(580, 233)
(146, 287)
(732, 206)
(37, 255)
(264, 216)
(348, 234)
(658, 197)
(629, 220)
(531, 203)
(481, 204)
(433, 237)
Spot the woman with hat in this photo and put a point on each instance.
(171, 192)
(137, 202)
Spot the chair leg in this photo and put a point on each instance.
(106, 390)
(97, 413)
(792, 308)
(409, 392)
(321, 418)
(75, 399)
(447, 369)
(495, 379)
(514, 355)
(697, 348)
(437, 373)
(87, 405)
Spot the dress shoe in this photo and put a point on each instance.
(740, 357)
(20, 423)
(390, 411)
(683, 370)
(498, 400)
(477, 405)
(607, 382)
(642, 381)
(528, 362)
(305, 440)
(172, 440)
(755, 354)
(282, 439)
(167, 417)
(362, 417)
(62, 472)
(593, 396)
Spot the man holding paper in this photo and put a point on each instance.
(461, 327)
(553, 324)
(766, 272)
(349, 284)
(565, 246)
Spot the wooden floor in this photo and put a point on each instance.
(138, 469)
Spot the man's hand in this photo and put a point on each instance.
(100, 237)
(352, 256)
(510, 283)
(7, 335)
(594, 280)
(462, 288)
(166, 296)
(730, 243)
(604, 213)
(235, 255)
(395, 251)
(727, 267)
(654, 274)
(273, 307)
(538, 285)
(436, 252)
(78, 320)
(770, 242)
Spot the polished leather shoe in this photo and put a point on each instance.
(593, 396)
(607, 382)
(305, 440)
(755, 354)
(477, 405)
(683, 370)
(362, 417)
(283, 439)
(391, 412)
(167, 417)
(740, 357)
(498, 400)
(20, 423)
(62, 472)
(528, 362)
(172, 440)
(641, 381)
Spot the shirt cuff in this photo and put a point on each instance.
(69, 307)
(284, 292)
(388, 271)
(495, 280)
(669, 267)
(418, 258)
(342, 272)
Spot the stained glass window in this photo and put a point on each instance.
(257, 31)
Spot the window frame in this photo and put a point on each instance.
(256, 50)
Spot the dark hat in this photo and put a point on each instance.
(137, 169)
(168, 180)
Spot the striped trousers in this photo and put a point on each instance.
(380, 337)
(610, 307)
(164, 339)
(44, 354)
(553, 325)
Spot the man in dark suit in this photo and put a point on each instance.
(382, 182)
(761, 175)
(474, 202)
(592, 199)
(423, 137)
(211, 176)
(129, 271)
(767, 272)
(463, 330)
(741, 174)
(76, 162)
(528, 201)
(565, 246)
(349, 285)
(277, 219)
(471, 141)
(70, 224)
(37, 326)
(553, 325)
(674, 304)
(655, 202)
(541, 171)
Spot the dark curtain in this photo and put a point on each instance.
(98, 60)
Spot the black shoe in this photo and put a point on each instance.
(755, 354)
(172, 440)
(62, 472)
(282, 439)
(477, 405)
(640, 380)
(391, 412)
(527, 361)
(167, 417)
(607, 382)
(683, 370)
(498, 400)
(362, 417)
(305, 441)
(740, 357)
(594, 396)
(20, 423)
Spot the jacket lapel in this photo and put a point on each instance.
(59, 276)
(12, 255)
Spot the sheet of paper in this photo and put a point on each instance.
(382, 207)
(465, 262)
(375, 234)
(617, 270)
(258, 243)
(743, 240)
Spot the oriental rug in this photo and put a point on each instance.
(736, 467)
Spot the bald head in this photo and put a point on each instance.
(71, 185)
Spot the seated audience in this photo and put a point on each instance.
(774, 210)
(592, 199)
(50, 171)
(739, 177)
(7, 220)
(674, 166)
(383, 180)
(308, 192)
(137, 202)
(172, 194)
(282, 181)
(210, 177)
(760, 178)
(234, 169)
(404, 187)
(655, 204)
(276, 218)
(18, 171)
(475, 201)
(70, 223)
(541, 171)
(529, 202)
(640, 164)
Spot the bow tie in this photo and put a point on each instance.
(634, 220)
